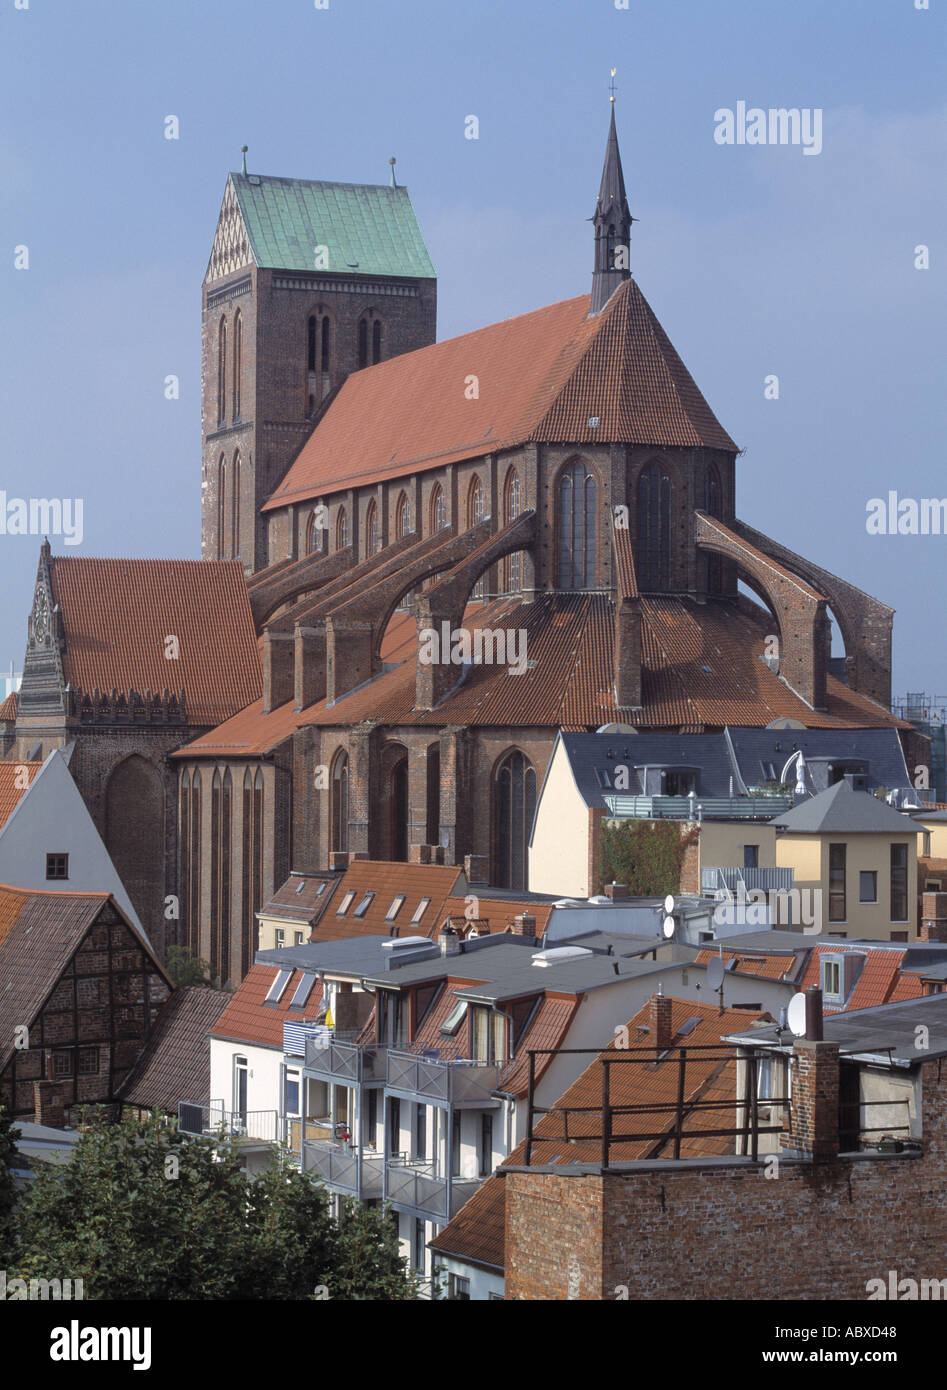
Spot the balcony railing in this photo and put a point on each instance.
(210, 1117)
(728, 880)
(345, 1063)
(413, 1185)
(346, 1168)
(422, 1076)
(697, 808)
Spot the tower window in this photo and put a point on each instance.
(653, 550)
(363, 343)
(222, 372)
(237, 361)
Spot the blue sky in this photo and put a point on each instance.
(757, 260)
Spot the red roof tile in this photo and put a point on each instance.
(389, 880)
(248, 1019)
(543, 375)
(117, 615)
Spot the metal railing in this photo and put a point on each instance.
(346, 1063)
(414, 1184)
(453, 1081)
(210, 1118)
(696, 808)
(345, 1167)
(729, 880)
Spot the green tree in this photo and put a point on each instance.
(8, 1137)
(143, 1212)
(185, 968)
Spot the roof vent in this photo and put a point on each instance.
(558, 955)
(599, 898)
(398, 943)
(568, 902)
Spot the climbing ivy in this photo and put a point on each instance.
(647, 855)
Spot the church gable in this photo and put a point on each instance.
(231, 249)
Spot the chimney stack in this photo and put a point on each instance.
(616, 891)
(660, 1021)
(448, 940)
(475, 868)
(49, 1103)
(933, 917)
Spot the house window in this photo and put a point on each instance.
(371, 1123)
(235, 509)
(394, 1126)
(489, 1035)
(340, 806)
(420, 1242)
(237, 361)
(88, 1061)
(455, 1140)
(403, 517)
(680, 783)
(899, 883)
(280, 936)
(304, 988)
(371, 529)
(486, 1143)
(62, 1063)
(458, 1287)
(297, 938)
(420, 1133)
(903, 936)
(57, 866)
(512, 506)
(438, 509)
(376, 341)
(576, 520)
(222, 371)
(751, 856)
(837, 912)
(832, 979)
(867, 886)
(341, 529)
(291, 1093)
(454, 1019)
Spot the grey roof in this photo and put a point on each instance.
(354, 955)
(887, 1030)
(844, 811)
(880, 748)
(775, 943)
(590, 754)
(578, 975)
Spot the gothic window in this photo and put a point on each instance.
(653, 548)
(438, 509)
(403, 516)
(235, 507)
(341, 529)
(184, 839)
(222, 371)
(576, 522)
(371, 529)
(340, 804)
(713, 505)
(369, 339)
(318, 339)
(237, 361)
(252, 885)
(220, 813)
(221, 507)
(376, 341)
(512, 506)
(398, 804)
(312, 331)
(434, 794)
(514, 802)
(475, 511)
(363, 342)
(194, 864)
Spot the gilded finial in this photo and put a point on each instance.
(611, 85)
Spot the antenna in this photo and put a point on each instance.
(243, 151)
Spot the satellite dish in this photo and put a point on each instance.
(669, 926)
(796, 1016)
(669, 903)
(616, 729)
(715, 972)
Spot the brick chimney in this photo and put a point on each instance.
(814, 1118)
(475, 868)
(933, 917)
(616, 891)
(627, 648)
(49, 1103)
(659, 1019)
(523, 925)
(421, 854)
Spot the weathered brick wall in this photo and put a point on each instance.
(819, 1230)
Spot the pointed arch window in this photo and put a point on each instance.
(221, 507)
(237, 361)
(235, 508)
(340, 805)
(514, 803)
(475, 513)
(576, 516)
(653, 529)
(363, 343)
(376, 341)
(194, 866)
(371, 528)
(713, 504)
(252, 844)
(184, 839)
(222, 371)
(220, 887)
(438, 509)
(403, 516)
(512, 506)
(318, 341)
(341, 529)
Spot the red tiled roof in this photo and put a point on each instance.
(299, 899)
(250, 733)
(569, 641)
(499, 912)
(477, 1232)
(879, 982)
(11, 793)
(388, 880)
(118, 613)
(175, 1064)
(765, 967)
(248, 1019)
(8, 707)
(544, 375)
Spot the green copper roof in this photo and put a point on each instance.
(369, 229)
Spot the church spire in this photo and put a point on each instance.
(612, 221)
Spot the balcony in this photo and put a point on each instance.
(413, 1187)
(727, 881)
(345, 1062)
(345, 1168)
(423, 1077)
(695, 808)
(249, 1128)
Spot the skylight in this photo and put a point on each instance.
(364, 905)
(455, 1018)
(395, 908)
(303, 991)
(346, 903)
(421, 908)
(275, 992)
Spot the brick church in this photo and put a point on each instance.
(557, 476)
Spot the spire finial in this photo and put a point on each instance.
(392, 161)
(243, 151)
(611, 85)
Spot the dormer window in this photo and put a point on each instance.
(832, 979)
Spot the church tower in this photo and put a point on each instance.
(307, 282)
(612, 221)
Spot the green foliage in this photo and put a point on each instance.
(644, 854)
(185, 968)
(8, 1137)
(143, 1212)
